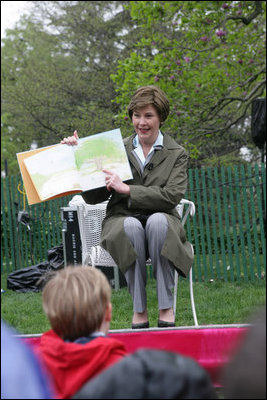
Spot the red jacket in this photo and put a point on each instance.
(72, 364)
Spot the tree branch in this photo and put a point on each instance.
(258, 10)
(225, 101)
(209, 130)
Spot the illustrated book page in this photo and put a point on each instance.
(60, 170)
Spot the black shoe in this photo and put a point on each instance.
(142, 325)
(165, 324)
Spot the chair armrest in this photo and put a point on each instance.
(191, 206)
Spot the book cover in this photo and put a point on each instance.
(62, 169)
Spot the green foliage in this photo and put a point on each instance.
(209, 58)
(74, 65)
(56, 65)
(9, 145)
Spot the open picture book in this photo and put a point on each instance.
(61, 169)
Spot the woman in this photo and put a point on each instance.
(142, 220)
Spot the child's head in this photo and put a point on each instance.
(76, 300)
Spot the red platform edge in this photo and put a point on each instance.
(212, 348)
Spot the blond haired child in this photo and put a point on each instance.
(76, 301)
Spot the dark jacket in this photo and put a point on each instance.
(159, 189)
(150, 374)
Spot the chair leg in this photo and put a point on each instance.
(175, 293)
(93, 256)
(192, 297)
(116, 277)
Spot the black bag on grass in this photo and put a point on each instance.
(31, 279)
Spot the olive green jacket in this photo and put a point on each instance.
(159, 189)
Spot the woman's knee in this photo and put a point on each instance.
(158, 222)
(132, 227)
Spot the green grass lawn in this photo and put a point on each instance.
(216, 302)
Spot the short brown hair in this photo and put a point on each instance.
(75, 300)
(150, 95)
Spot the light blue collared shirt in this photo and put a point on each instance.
(138, 151)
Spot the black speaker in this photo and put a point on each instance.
(258, 122)
(72, 246)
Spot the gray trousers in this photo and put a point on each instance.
(148, 242)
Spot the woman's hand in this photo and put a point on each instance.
(72, 140)
(113, 181)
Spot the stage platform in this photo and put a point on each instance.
(211, 346)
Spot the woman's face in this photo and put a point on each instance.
(146, 124)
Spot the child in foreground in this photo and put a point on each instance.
(76, 301)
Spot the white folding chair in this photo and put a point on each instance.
(90, 219)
